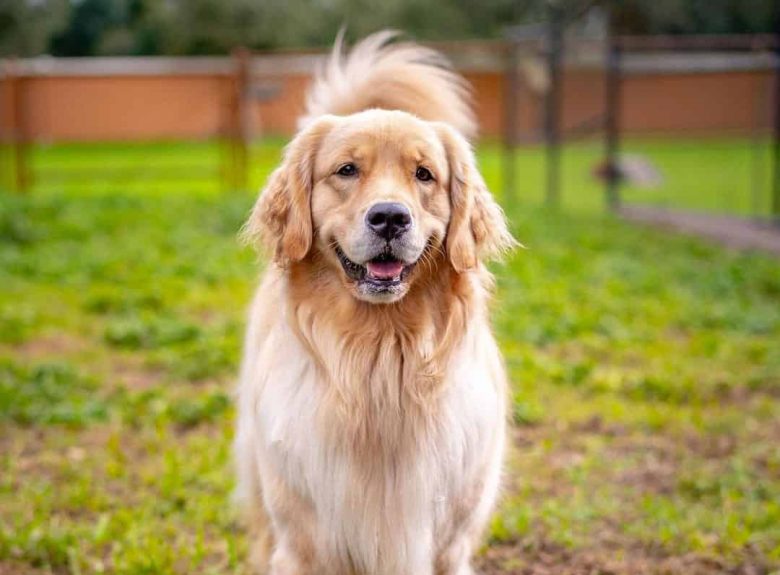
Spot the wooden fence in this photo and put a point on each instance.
(235, 99)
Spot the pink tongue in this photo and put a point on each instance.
(385, 270)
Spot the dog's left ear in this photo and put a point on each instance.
(478, 228)
(281, 218)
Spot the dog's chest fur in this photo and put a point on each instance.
(385, 459)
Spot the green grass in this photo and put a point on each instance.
(725, 175)
(721, 175)
(645, 375)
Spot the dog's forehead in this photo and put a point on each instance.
(378, 131)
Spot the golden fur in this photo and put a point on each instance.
(370, 428)
(385, 75)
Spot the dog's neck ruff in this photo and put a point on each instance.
(388, 356)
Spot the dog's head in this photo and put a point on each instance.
(374, 194)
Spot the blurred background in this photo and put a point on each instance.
(635, 148)
(656, 83)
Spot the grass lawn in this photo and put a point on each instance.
(645, 376)
(727, 175)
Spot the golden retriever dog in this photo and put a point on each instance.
(371, 404)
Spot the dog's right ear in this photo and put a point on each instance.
(281, 219)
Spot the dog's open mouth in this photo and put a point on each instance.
(382, 272)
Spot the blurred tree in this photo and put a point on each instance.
(696, 16)
(108, 27)
(89, 21)
(26, 26)
(90, 27)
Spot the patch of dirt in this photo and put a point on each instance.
(651, 463)
(643, 463)
(597, 425)
(13, 568)
(711, 446)
(49, 345)
(123, 370)
(651, 474)
(545, 558)
(730, 231)
(133, 374)
(50, 452)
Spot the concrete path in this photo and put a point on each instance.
(733, 232)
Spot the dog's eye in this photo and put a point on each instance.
(423, 174)
(347, 170)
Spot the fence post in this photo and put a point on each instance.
(239, 118)
(511, 88)
(776, 130)
(20, 180)
(6, 172)
(552, 111)
(612, 125)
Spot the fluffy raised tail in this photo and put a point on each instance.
(381, 73)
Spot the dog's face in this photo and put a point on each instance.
(375, 193)
(380, 201)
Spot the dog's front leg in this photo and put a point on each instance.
(294, 522)
(287, 560)
(455, 559)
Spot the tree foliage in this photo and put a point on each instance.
(135, 27)
(26, 27)
(697, 16)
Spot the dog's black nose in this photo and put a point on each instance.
(388, 220)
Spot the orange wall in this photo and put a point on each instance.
(123, 108)
(196, 106)
(279, 114)
(725, 102)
